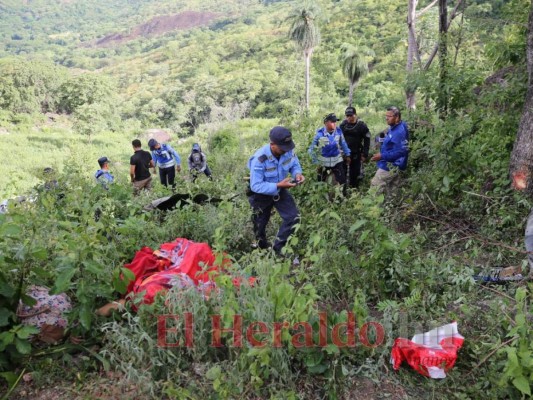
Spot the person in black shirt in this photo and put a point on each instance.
(357, 137)
(139, 172)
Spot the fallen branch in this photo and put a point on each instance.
(447, 245)
(491, 353)
(478, 237)
(498, 292)
(479, 195)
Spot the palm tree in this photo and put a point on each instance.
(306, 34)
(354, 65)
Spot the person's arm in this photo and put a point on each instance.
(175, 155)
(296, 167)
(296, 170)
(154, 160)
(366, 142)
(312, 148)
(132, 172)
(204, 162)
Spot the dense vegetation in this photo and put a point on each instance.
(406, 262)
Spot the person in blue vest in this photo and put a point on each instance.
(270, 185)
(166, 158)
(332, 150)
(103, 175)
(394, 152)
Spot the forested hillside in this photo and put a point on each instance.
(81, 79)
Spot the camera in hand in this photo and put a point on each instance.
(294, 181)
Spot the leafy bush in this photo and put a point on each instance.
(224, 141)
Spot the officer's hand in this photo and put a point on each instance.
(348, 160)
(376, 157)
(300, 178)
(178, 168)
(286, 184)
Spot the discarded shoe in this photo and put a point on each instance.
(500, 275)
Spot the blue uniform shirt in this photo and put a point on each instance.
(164, 156)
(104, 177)
(266, 170)
(395, 147)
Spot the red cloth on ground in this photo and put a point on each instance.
(181, 262)
(432, 353)
(145, 263)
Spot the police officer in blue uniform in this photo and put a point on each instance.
(103, 176)
(270, 184)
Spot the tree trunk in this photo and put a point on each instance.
(434, 52)
(350, 94)
(521, 166)
(412, 51)
(307, 54)
(443, 55)
(460, 38)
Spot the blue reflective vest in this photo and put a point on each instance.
(164, 156)
(332, 147)
(104, 178)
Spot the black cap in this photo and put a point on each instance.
(152, 143)
(282, 137)
(102, 161)
(350, 111)
(330, 117)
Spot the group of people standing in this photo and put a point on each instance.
(162, 156)
(342, 151)
(339, 151)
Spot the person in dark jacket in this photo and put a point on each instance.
(357, 137)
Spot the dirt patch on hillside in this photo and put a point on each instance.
(158, 26)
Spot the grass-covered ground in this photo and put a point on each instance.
(406, 263)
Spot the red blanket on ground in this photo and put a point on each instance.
(179, 263)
